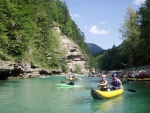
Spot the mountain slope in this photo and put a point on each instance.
(29, 35)
(94, 49)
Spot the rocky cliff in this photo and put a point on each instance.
(70, 52)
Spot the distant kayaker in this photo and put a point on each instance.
(103, 83)
(116, 83)
(69, 75)
(71, 82)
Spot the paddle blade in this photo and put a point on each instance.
(131, 90)
(63, 82)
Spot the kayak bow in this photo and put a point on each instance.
(97, 94)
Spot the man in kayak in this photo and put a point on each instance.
(69, 75)
(71, 82)
(115, 82)
(103, 83)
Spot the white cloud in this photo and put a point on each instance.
(95, 30)
(75, 15)
(139, 2)
(102, 23)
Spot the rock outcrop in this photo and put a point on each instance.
(10, 70)
(76, 61)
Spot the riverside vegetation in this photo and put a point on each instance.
(135, 48)
(27, 35)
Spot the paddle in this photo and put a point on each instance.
(64, 82)
(131, 90)
(126, 80)
(70, 83)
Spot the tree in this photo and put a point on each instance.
(110, 59)
(130, 33)
(27, 34)
(144, 46)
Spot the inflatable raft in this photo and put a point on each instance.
(97, 94)
(138, 79)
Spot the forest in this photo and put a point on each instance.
(26, 33)
(135, 47)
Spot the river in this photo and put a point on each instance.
(42, 95)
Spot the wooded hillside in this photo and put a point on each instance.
(135, 48)
(26, 33)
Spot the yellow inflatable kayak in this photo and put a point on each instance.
(138, 79)
(97, 94)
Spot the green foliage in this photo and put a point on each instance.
(111, 59)
(134, 51)
(26, 32)
(77, 69)
(144, 45)
(63, 65)
(55, 24)
(4, 56)
(93, 62)
(53, 62)
(130, 31)
(3, 41)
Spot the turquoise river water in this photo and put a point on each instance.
(41, 95)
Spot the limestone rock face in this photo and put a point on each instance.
(76, 60)
(73, 55)
(9, 70)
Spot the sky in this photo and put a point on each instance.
(100, 20)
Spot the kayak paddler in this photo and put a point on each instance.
(103, 83)
(71, 82)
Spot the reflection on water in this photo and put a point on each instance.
(107, 104)
(111, 103)
(8, 82)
